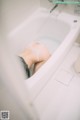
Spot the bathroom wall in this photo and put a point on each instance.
(14, 12)
(78, 39)
(45, 3)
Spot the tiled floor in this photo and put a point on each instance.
(60, 98)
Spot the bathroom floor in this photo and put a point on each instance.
(60, 98)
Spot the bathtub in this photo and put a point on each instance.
(57, 30)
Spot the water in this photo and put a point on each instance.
(51, 43)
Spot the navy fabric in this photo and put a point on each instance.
(25, 66)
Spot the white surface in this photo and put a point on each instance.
(46, 3)
(14, 12)
(56, 26)
(37, 82)
(64, 77)
(49, 31)
(40, 24)
(51, 43)
(58, 101)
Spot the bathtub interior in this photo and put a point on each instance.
(46, 29)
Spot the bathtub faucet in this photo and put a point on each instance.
(56, 5)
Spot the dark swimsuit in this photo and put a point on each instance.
(25, 66)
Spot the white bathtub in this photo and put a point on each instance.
(58, 28)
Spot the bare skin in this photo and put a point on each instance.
(36, 53)
(39, 64)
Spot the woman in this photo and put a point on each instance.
(35, 54)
